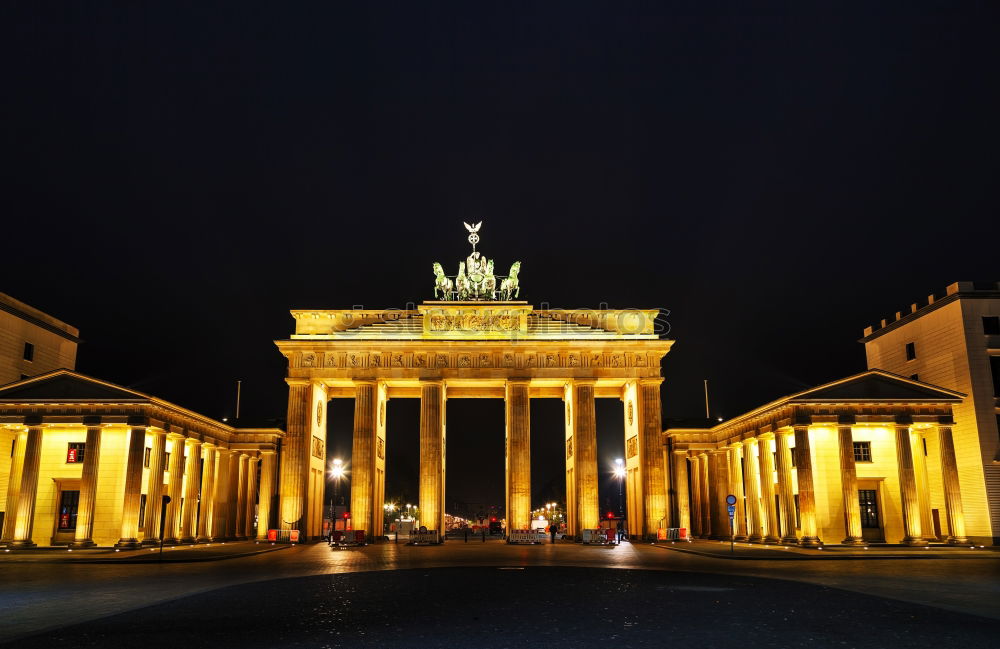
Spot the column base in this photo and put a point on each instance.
(150, 542)
(854, 540)
(128, 544)
(741, 539)
(82, 543)
(957, 540)
(771, 539)
(810, 542)
(21, 545)
(789, 540)
(203, 539)
(755, 538)
(914, 541)
(188, 539)
(171, 541)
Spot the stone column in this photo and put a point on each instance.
(653, 473)
(807, 494)
(25, 513)
(719, 467)
(432, 421)
(232, 497)
(849, 488)
(248, 528)
(952, 492)
(88, 490)
(295, 449)
(363, 458)
(518, 414)
(133, 490)
(751, 485)
(189, 517)
(207, 494)
(220, 510)
(14, 485)
(171, 522)
(736, 488)
(243, 482)
(696, 518)
(772, 532)
(681, 489)
(706, 506)
(786, 496)
(266, 493)
(588, 513)
(908, 487)
(154, 487)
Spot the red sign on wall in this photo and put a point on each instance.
(272, 535)
(71, 456)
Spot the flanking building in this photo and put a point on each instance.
(90, 463)
(869, 458)
(953, 340)
(33, 342)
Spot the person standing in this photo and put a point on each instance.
(552, 531)
(621, 531)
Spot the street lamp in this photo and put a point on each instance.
(336, 472)
(620, 475)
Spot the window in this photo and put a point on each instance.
(798, 523)
(145, 457)
(142, 510)
(911, 351)
(862, 451)
(166, 461)
(915, 377)
(74, 452)
(869, 508)
(995, 368)
(29, 352)
(25, 376)
(991, 325)
(68, 503)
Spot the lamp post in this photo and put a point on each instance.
(620, 475)
(336, 472)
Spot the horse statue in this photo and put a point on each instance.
(462, 283)
(475, 266)
(442, 283)
(509, 288)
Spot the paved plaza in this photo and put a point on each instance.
(391, 594)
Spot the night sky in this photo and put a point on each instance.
(176, 178)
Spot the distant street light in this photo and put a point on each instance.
(620, 475)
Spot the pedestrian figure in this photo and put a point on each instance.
(552, 532)
(621, 531)
(466, 528)
(484, 534)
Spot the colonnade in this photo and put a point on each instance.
(762, 481)
(212, 488)
(367, 467)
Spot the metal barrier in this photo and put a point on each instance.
(283, 536)
(424, 537)
(350, 538)
(598, 537)
(525, 536)
(673, 534)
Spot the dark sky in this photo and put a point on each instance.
(176, 178)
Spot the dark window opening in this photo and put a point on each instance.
(75, 452)
(29, 352)
(25, 376)
(911, 351)
(145, 457)
(991, 325)
(166, 461)
(69, 501)
(915, 377)
(862, 451)
(798, 522)
(142, 510)
(995, 369)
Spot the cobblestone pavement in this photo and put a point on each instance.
(36, 597)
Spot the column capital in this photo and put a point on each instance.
(192, 441)
(650, 380)
(765, 436)
(155, 431)
(297, 382)
(737, 444)
(681, 451)
(364, 381)
(267, 451)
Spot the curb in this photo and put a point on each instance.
(142, 560)
(826, 557)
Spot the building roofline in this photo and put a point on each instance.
(38, 318)
(954, 291)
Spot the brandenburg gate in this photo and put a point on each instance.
(477, 341)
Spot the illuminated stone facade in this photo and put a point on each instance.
(953, 340)
(489, 349)
(90, 462)
(870, 458)
(33, 342)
